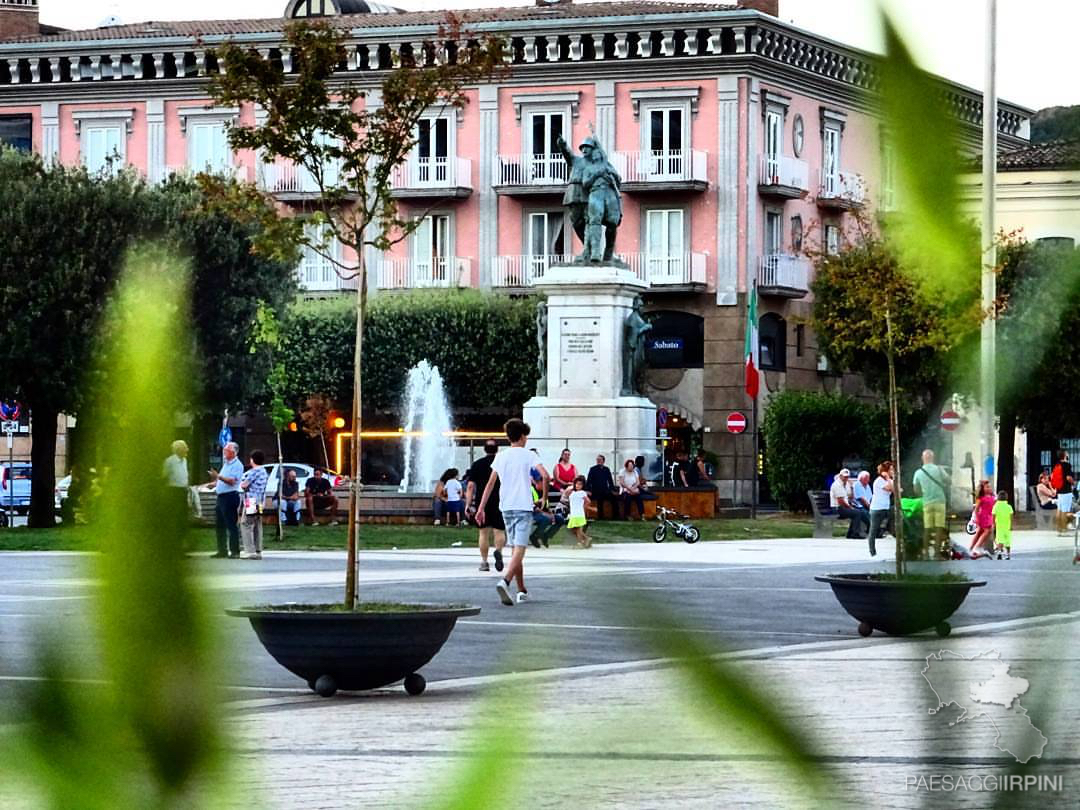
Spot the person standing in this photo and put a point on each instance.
(984, 520)
(1002, 514)
(601, 488)
(453, 506)
(630, 489)
(253, 485)
(1061, 479)
(880, 503)
(842, 499)
(579, 499)
(495, 530)
(227, 507)
(175, 473)
(932, 483)
(512, 470)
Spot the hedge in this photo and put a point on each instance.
(483, 343)
(808, 436)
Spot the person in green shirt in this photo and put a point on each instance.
(1003, 513)
(932, 483)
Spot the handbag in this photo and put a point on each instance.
(251, 506)
(972, 526)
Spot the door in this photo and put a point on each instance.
(771, 245)
(665, 260)
(433, 152)
(546, 163)
(431, 260)
(774, 128)
(100, 146)
(208, 149)
(547, 243)
(666, 157)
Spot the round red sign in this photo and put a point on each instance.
(950, 420)
(736, 423)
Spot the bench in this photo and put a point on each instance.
(1044, 518)
(825, 516)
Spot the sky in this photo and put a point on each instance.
(1036, 40)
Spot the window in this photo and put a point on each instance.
(1064, 242)
(664, 240)
(317, 271)
(103, 148)
(16, 131)
(774, 135)
(772, 342)
(432, 256)
(313, 8)
(796, 234)
(546, 240)
(800, 339)
(677, 340)
(888, 175)
(773, 242)
(546, 161)
(432, 151)
(208, 147)
(832, 239)
(830, 162)
(666, 153)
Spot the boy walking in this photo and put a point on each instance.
(512, 471)
(1003, 513)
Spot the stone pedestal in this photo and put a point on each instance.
(584, 407)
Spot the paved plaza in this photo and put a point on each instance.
(594, 716)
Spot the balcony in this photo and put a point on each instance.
(783, 275)
(523, 271)
(842, 191)
(413, 274)
(683, 271)
(671, 170)
(782, 176)
(530, 174)
(231, 172)
(289, 181)
(438, 177)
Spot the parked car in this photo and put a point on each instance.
(15, 487)
(61, 492)
(303, 473)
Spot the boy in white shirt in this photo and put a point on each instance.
(512, 468)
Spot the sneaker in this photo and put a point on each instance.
(255, 556)
(999, 555)
(498, 560)
(503, 587)
(1008, 556)
(545, 540)
(485, 567)
(437, 523)
(523, 597)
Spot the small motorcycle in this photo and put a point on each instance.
(684, 530)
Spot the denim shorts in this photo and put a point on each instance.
(518, 527)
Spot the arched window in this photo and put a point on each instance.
(772, 342)
(1056, 242)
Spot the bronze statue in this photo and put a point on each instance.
(593, 199)
(635, 330)
(541, 346)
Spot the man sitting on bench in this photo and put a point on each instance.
(841, 499)
(319, 497)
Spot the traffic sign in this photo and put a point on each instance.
(9, 427)
(950, 420)
(736, 422)
(662, 417)
(663, 433)
(9, 411)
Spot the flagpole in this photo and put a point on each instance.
(754, 468)
(751, 312)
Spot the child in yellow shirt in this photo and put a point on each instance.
(1003, 513)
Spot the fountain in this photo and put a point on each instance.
(429, 449)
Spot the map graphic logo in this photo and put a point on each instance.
(970, 687)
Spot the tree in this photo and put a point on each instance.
(324, 122)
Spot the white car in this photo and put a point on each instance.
(303, 473)
(60, 493)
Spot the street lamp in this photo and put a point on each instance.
(989, 190)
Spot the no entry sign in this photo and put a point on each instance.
(736, 422)
(950, 420)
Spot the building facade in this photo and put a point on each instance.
(741, 140)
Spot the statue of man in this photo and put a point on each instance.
(635, 330)
(600, 186)
(541, 347)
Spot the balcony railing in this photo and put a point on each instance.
(410, 274)
(523, 271)
(163, 173)
(659, 271)
(784, 275)
(432, 173)
(785, 176)
(662, 166)
(285, 177)
(530, 170)
(841, 190)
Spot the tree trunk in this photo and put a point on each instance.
(43, 476)
(357, 427)
(894, 441)
(1006, 450)
(280, 481)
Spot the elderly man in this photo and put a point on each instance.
(931, 483)
(841, 498)
(227, 513)
(601, 488)
(175, 473)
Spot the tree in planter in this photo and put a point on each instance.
(267, 339)
(322, 121)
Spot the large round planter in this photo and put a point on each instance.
(334, 650)
(898, 608)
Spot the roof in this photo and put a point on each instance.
(1059, 154)
(225, 28)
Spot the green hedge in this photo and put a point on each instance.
(808, 435)
(483, 343)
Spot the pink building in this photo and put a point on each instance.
(740, 139)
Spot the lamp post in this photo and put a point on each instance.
(989, 188)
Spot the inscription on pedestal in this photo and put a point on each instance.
(580, 350)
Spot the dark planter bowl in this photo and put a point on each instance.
(354, 651)
(898, 608)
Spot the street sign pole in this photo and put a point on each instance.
(11, 479)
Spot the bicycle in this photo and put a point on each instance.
(686, 531)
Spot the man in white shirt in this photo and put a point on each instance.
(842, 499)
(175, 473)
(512, 470)
(228, 501)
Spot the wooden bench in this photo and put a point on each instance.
(825, 516)
(1044, 518)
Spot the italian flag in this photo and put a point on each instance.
(751, 349)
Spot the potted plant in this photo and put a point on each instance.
(349, 147)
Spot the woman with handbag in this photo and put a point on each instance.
(253, 488)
